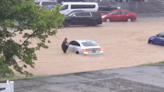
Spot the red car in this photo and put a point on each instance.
(118, 15)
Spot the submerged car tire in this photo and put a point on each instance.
(129, 20)
(150, 42)
(93, 23)
(77, 52)
(66, 24)
(108, 20)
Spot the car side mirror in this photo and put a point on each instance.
(156, 36)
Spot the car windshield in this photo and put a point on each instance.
(37, 3)
(110, 11)
(160, 34)
(89, 43)
(64, 7)
(70, 14)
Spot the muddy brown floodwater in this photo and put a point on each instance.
(124, 44)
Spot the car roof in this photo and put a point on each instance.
(83, 40)
(79, 3)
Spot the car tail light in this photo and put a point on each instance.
(100, 49)
(85, 50)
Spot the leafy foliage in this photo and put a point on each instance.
(16, 17)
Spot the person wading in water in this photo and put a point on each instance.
(65, 45)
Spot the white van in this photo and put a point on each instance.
(68, 7)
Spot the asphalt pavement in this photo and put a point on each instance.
(133, 79)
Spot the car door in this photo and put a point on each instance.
(116, 16)
(77, 18)
(76, 47)
(160, 39)
(71, 46)
(86, 16)
(124, 16)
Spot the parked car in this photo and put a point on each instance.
(105, 7)
(82, 18)
(37, 3)
(157, 40)
(68, 7)
(60, 1)
(49, 7)
(46, 4)
(85, 46)
(118, 15)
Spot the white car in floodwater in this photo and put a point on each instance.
(85, 46)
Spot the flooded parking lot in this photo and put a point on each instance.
(124, 44)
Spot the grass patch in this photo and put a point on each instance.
(151, 64)
(17, 78)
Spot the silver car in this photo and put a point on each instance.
(85, 46)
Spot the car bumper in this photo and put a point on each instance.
(135, 18)
(97, 53)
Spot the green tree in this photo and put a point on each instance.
(16, 17)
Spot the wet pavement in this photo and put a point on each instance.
(133, 79)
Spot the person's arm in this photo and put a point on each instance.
(66, 44)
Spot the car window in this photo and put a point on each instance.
(71, 14)
(89, 43)
(161, 35)
(74, 43)
(82, 6)
(78, 14)
(124, 12)
(97, 14)
(64, 7)
(86, 14)
(37, 3)
(117, 12)
(77, 44)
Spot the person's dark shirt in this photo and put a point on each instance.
(64, 46)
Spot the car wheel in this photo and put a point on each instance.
(93, 23)
(150, 42)
(66, 24)
(77, 52)
(129, 20)
(108, 20)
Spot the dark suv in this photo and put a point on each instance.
(82, 18)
